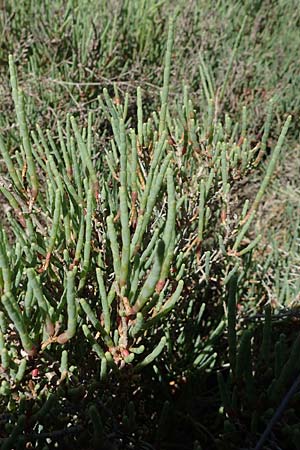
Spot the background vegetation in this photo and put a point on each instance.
(149, 246)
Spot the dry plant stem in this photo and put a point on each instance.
(292, 391)
(230, 64)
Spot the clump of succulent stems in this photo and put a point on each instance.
(103, 244)
(95, 239)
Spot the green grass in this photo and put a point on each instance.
(149, 246)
